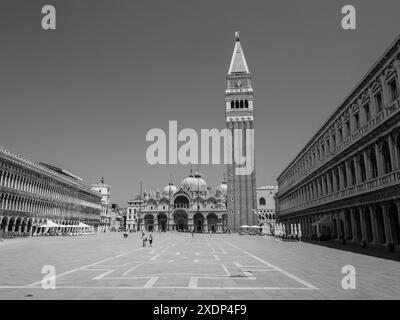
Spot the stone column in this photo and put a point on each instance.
(346, 227)
(334, 181)
(341, 177)
(368, 170)
(357, 169)
(329, 183)
(386, 221)
(396, 145)
(353, 225)
(379, 161)
(348, 173)
(393, 154)
(338, 229)
(363, 223)
(205, 225)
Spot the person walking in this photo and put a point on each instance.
(144, 241)
(192, 232)
(150, 240)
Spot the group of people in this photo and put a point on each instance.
(147, 238)
(288, 237)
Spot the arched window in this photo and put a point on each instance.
(241, 104)
(246, 104)
(232, 104)
(262, 201)
(237, 104)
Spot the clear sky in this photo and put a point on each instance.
(84, 96)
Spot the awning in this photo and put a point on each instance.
(49, 224)
(83, 225)
(324, 221)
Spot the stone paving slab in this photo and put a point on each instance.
(106, 266)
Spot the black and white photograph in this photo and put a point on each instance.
(223, 151)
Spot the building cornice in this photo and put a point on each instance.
(383, 59)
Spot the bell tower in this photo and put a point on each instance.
(239, 113)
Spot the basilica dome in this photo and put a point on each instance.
(223, 188)
(169, 190)
(194, 183)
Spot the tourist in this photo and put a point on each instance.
(144, 240)
(150, 240)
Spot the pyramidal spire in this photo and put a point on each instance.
(238, 61)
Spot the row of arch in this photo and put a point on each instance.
(180, 221)
(377, 224)
(44, 187)
(14, 181)
(239, 104)
(30, 226)
(378, 96)
(377, 159)
(367, 221)
(19, 203)
(269, 216)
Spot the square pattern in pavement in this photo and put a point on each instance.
(107, 266)
(201, 262)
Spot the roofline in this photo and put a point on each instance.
(378, 64)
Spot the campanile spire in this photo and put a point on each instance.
(239, 112)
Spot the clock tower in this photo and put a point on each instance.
(239, 112)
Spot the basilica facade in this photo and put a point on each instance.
(190, 207)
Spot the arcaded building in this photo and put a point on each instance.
(33, 194)
(345, 183)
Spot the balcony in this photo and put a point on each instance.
(389, 111)
(367, 186)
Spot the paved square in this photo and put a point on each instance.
(107, 266)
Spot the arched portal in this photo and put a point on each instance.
(148, 222)
(29, 226)
(181, 220)
(368, 224)
(23, 226)
(341, 228)
(335, 229)
(212, 221)
(3, 225)
(394, 223)
(198, 221)
(380, 225)
(348, 224)
(18, 224)
(181, 201)
(357, 222)
(162, 222)
(11, 224)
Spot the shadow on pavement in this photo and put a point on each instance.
(382, 252)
